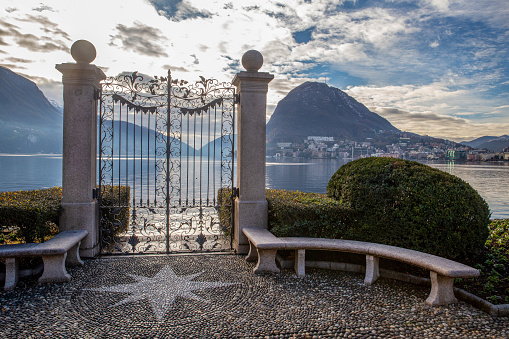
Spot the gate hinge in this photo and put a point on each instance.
(97, 94)
(236, 192)
(95, 193)
(237, 98)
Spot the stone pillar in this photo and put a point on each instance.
(251, 205)
(79, 172)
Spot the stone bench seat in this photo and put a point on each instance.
(58, 251)
(264, 246)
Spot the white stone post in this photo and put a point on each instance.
(79, 172)
(251, 205)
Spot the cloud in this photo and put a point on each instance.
(19, 60)
(440, 126)
(141, 39)
(437, 96)
(493, 12)
(12, 66)
(175, 68)
(31, 41)
(47, 25)
(440, 5)
(38, 44)
(195, 59)
(11, 9)
(442, 109)
(8, 25)
(203, 48)
(178, 10)
(42, 8)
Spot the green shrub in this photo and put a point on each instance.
(493, 283)
(115, 209)
(224, 210)
(411, 205)
(499, 235)
(30, 216)
(298, 214)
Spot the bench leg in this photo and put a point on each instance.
(11, 273)
(372, 270)
(266, 262)
(253, 254)
(442, 292)
(54, 269)
(300, 263)
(73, 256)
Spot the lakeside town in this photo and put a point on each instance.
(404, 146)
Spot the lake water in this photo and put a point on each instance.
(491, 180)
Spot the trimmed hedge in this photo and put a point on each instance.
(408, 204)
(33, 216)
(294, 213)
(30, 216)
(115, 202)
(298, 214)
(224, 210)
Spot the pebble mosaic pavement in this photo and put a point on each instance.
(218, 296)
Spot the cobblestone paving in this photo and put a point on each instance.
(218, 296)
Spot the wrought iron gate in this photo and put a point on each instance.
(166, 164)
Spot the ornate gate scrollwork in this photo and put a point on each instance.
(166, 164)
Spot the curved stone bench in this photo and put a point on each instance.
(58, 251)
(264, 246)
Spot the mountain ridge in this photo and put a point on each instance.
(491, 143)
(29, 123)
(16, 106)
(318, 109)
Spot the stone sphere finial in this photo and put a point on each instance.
(252, 60)
(83, 52)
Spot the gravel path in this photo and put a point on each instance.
(218, 296)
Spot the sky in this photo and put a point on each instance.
(432, 67)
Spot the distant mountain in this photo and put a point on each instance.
(137, 140)
(29, 123)
(316, 109)
(476, 142)
(59, 107)
(491, 143)
(214, 147)
(496, 145)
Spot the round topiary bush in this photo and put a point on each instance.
(408, 204)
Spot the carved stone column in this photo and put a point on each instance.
(251, 205)
(79, 173)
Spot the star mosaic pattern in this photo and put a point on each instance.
(161, 290)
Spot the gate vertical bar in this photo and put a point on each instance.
(233, 190)
(168, 153)
(100, 165)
